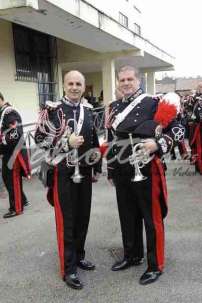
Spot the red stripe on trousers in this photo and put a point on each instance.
(23, 164)
(198, 149)
(161, 172)
(197, 141)
(192, 130)
(59, 222)
(17, 188)
(182, 148)
(157, 216)
(195, 134)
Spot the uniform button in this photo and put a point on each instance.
(135, 120)
(137, 114)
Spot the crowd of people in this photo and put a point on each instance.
(140, 130)
(191, 118)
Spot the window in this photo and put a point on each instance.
(36, 58)
(123, 19)
(32, 53)
(137, 9)
(137, 29)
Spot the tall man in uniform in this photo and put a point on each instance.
(133, 119)
(196, 140)
(70, 128)
(15, 161)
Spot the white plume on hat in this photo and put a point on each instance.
(173, 98)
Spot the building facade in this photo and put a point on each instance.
(40, 40)
(183, 86)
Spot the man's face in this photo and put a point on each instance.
(74, 86)
(128, 82)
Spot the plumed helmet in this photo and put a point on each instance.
(174, 99)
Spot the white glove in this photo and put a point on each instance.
(75, 141)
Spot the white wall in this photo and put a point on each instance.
(94, 79)
(72, 53)
(22, 95)
(112, 9)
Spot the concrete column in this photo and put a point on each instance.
(60, 81)
(143, 83)
(150, 83)
(108, 80)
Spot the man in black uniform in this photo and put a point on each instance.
(133, 119)
(196, 139)
(71, 130)
(15, 162)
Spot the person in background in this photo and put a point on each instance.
(183, 152)
(15, 160)
(196, 140)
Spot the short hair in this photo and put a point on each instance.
(1, 96)
(129, 68)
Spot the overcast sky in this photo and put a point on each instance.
(176, 27)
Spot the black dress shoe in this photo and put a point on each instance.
(27, 203)
(85, 265)
(10, 214)
(149, 277)
(73, 281)
(126, 263)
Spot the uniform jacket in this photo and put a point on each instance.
(88, 131)
(141, 124)
(12, 140)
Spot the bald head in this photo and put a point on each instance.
(74, 85)
(73, 74)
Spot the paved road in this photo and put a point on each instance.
(29, 262)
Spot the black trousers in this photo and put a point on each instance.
(137, 200)
(130, 218)
(72, 211)
(12, 178)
